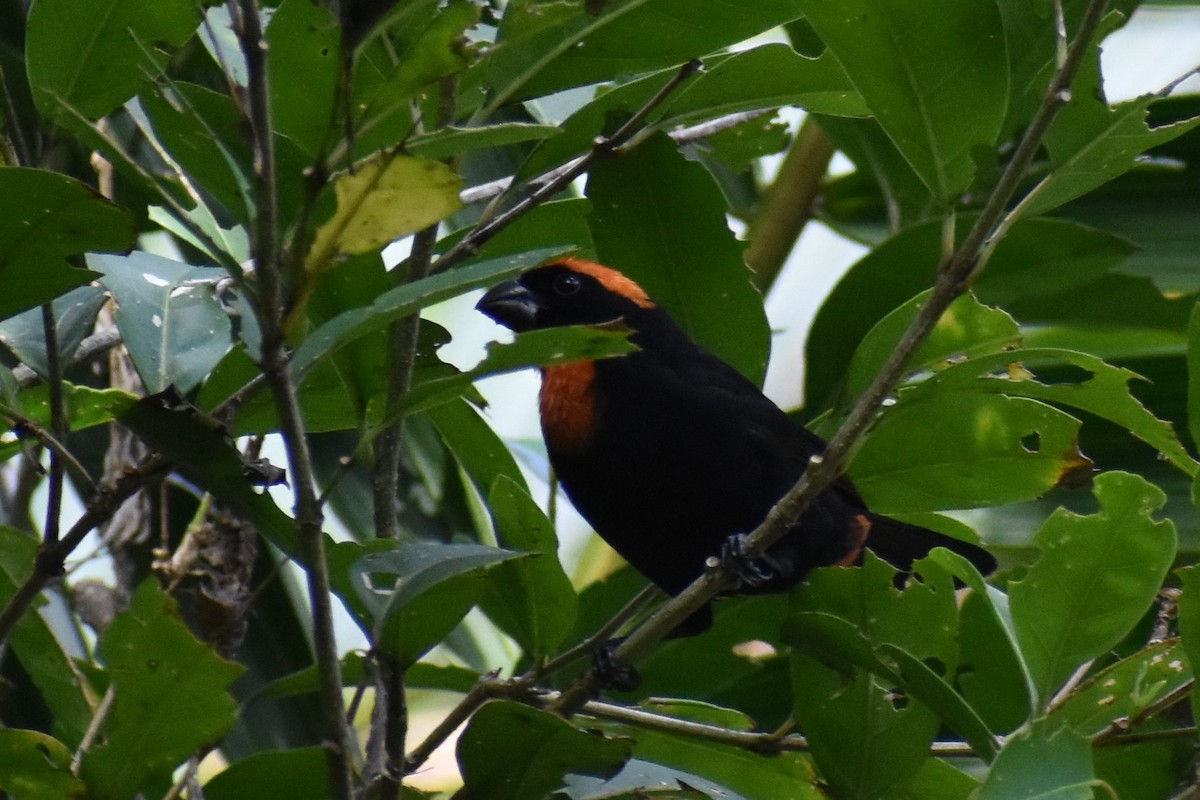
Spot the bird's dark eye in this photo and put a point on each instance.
(567, 284)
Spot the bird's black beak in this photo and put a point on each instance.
(512, 305)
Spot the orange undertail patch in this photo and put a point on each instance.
(860, 527)
(610, 279)
(568, 405)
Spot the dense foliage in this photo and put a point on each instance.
(195, 200)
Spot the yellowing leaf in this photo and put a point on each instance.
(386, 197)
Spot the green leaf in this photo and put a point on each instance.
(768, 76)
(48, 219)
(428, 589)
(34, 766)
(937, 93)
(35, 644)
(480, 453)
(170, 315)
(966, 329)
(421, 44)
(304, 42)
(510, 751)
(74, 315)
(201, 129)
(1105, 392)
(1125, 691)
(986, 619)
(937, 780)
(546, 47)
(763, 77)
(532, 600)
(382, 199)
(171, 696)
(1041, 763)
(86, 408)
(836, 642)
(1094, 580)
(989, 449)
(93, 55)
(301, 774)
(865, 739)
(1090, 142)
(883, 195)
(660, 219)
(712, 769)
(407, 299)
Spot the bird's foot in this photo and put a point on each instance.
(749, 572)
(612, 672)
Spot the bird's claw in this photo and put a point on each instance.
(612, 672)
(753, 572)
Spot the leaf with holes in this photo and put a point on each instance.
(866, 734)
(1104, 392)
(988, 450)
(1095, 578)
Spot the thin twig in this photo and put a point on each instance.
(692, 133)
(93, 729)
(23, 153)
(952, 279)
(479, 694)
(602, 634)
(27, 427)
(58, 423)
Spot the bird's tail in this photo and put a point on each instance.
(900, 544)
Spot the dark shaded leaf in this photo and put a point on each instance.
(510, 751)
(301, 774)
(659, 219)
(92, 56)
(50, 218)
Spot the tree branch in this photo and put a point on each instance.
(953, 277)
(50, 558)
(270, 310)
(787, 204)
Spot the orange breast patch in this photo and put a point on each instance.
(568, 405)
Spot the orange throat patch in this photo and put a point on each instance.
(568, 405)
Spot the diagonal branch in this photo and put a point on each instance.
(953, 278)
